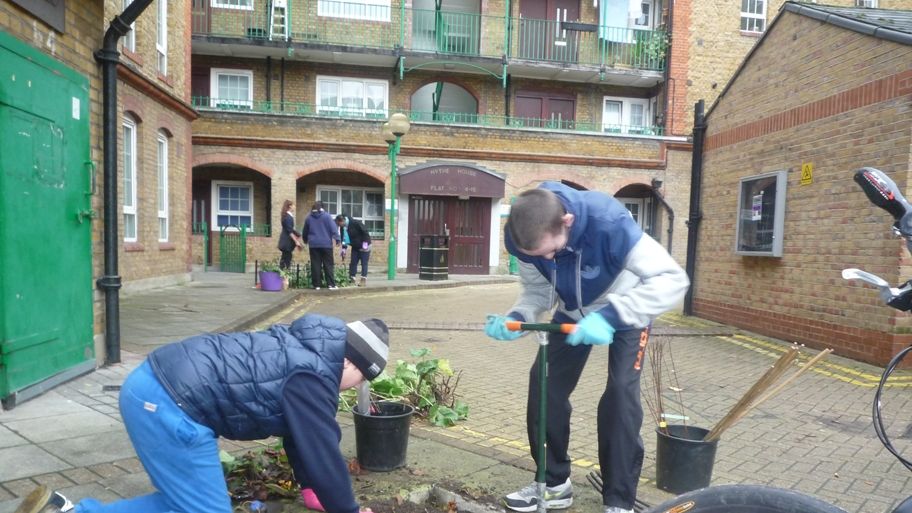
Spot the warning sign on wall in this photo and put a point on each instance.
(807, 173)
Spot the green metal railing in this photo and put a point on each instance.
(443, 118)
(355, 24)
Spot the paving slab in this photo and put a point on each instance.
(84, 451)
(52, 403)
(28, 460)
(68, 426)
(8, 438)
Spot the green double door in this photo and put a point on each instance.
(46, 324)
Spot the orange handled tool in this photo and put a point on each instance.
(531, 326)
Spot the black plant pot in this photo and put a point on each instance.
(381, 439)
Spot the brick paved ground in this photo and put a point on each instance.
(815, 437)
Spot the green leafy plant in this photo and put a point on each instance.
(428, 384)
(269, 266)
(299, 276)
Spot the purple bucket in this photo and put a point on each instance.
(270, 281)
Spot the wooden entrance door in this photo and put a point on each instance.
(466, 222)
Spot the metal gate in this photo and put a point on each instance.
(233, 248)
(46, 182)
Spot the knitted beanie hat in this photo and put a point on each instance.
(368, 346)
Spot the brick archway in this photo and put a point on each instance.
(350, 165)
(228, 158)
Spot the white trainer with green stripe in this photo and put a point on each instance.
(526, 500)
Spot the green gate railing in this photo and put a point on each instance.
(233, 248)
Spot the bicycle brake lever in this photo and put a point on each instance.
(887, 293)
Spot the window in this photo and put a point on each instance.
(161, 38)
(753, 15)
(232, 88)
(866, 3)
(162, 188)
(233, 202)
(129, 39)
(644, 20)
(377, 10)
(352, 97)
(363, 204)
(761, 215)
(246, 5)
(626, 115)
(129, 180)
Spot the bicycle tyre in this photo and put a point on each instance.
(744, 499)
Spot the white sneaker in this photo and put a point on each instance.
(334, 288)
(526, 500)
(615, 509)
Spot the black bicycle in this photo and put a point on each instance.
(882, 191)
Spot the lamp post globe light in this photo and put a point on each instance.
(392, 132)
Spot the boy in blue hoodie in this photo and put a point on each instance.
(582, 252)
(284, 382)
(320, 233)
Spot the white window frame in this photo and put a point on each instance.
(750, 210)
(129, 39)
(129, 162)
(644, 21)
(871, 4)
(161, 37)
(626, 126)
(373, 10)
(334, 209)
(163, 199)
(240, 5)
(214, 75)
(364, 111)
(755, 16)
(216, 211)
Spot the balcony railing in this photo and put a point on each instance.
(442, 118)
(355, 24)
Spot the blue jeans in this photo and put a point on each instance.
(180, 456)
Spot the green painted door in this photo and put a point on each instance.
(46, 323)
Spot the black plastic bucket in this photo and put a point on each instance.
(381, 439)
(684, 462)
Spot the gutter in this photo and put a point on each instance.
(110, 282)
(861, 27)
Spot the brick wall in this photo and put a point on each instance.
(716, 47)
(259, 142)
(799, 101)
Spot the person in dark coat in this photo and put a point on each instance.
(289, 239)
(360, 241)
(284, 381)
(320, 232)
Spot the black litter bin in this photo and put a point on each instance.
(433, 257)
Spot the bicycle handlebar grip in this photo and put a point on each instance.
(529, 326)
(882, 191)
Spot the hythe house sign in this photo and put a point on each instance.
(452, 179)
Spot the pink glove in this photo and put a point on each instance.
(311, 500)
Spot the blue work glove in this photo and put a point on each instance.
(496, 328)
(593, 330)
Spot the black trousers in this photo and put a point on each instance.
(321, 261)
(620, 414)
(358, 256)
(285, 261)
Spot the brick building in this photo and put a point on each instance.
(501, 95)
(825, 91)
(52, 312)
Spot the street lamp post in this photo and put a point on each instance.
(393, 130)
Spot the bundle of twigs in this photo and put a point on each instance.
(654, 396)
(760, 392)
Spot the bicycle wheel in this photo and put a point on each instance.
(744, 499)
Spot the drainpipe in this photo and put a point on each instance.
(696, 215)
(109, 58)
